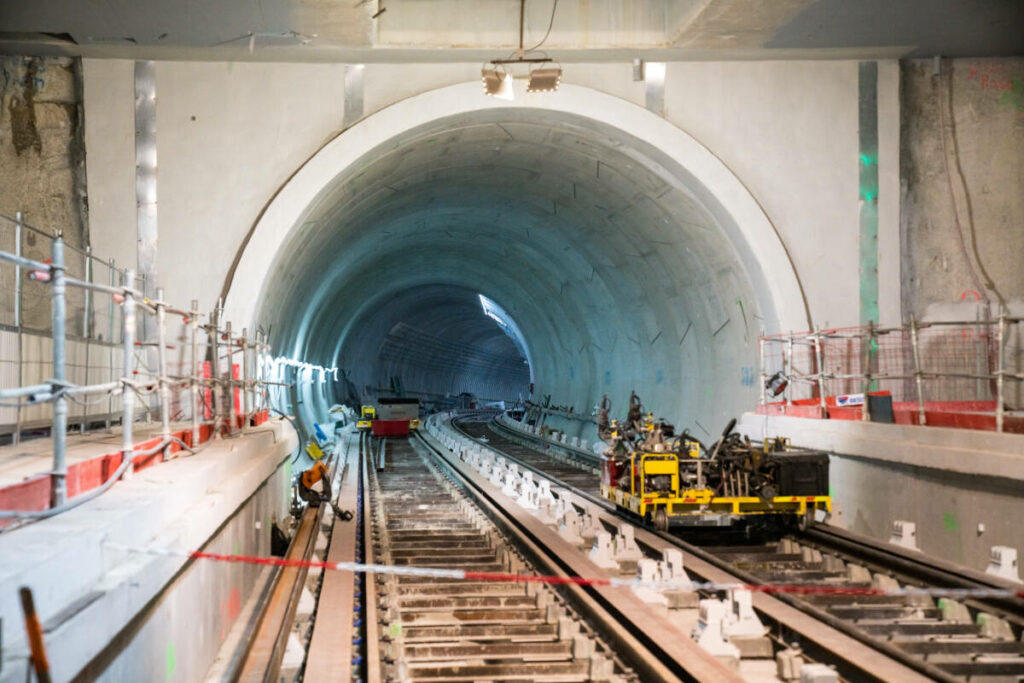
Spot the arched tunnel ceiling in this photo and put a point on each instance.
(437, 340)
(618, 275)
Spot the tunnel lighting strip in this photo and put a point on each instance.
(614, 582)
(291, 362)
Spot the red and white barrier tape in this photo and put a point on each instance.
(459, 574)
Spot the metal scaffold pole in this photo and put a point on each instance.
(193, 320)
(128, 392)
(229, 383)
(60, 404)
(217, 409)
(246, 407)
(16, 437)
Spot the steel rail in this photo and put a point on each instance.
(661, 654)
(910, 567)
(933, 571)
(855, 652)
(449, 630)
(329, 655)
(265, 649)
(371, 640)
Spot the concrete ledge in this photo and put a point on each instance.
(962, 451)
(86, 592)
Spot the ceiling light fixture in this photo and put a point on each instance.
(497, 82)
(543, 78)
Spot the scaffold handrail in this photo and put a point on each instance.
(935, 351)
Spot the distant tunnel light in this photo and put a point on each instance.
(545, 79)
(497, 83)
(496, 313)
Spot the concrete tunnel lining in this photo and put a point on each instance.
(433, 174)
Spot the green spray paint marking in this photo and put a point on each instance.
(395, 629)
(831, 491)
(949, 521)
(708, 392)
(171, 661)
(236, 548)
(1013, 98)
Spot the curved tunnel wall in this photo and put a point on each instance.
(622, 269)
(435, 340)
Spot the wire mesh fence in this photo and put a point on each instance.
(976, 364)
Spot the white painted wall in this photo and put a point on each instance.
(109, 96)
(788, 130)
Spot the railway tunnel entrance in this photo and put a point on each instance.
(624, 252)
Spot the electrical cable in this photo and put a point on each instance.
(298, 450)
(551, 23)
(982, 291)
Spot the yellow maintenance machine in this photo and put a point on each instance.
(367, 414)
(671, 481)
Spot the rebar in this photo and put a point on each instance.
(161, 359)
(789, 368)
(214, 354)
(1001, 371)
(918, 375)
(865, 411)
(229, 376)
(820, 368)
(764, 373)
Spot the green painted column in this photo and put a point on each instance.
(868, 142)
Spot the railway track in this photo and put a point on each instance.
(570, 469)
(444, 629)
(940, 639)
(417, 512)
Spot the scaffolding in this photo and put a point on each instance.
(970, 363)
(98, 364)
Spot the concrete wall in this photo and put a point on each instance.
(110, 141)
(947, 481)
(42, 170)
(977, 107)
(230, 134)
(88, 589)
(959, 517)
(182, 635)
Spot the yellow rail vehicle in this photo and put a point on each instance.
(778, 489)
(367, 414)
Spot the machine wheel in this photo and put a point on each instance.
(805, 521)
(661, 520)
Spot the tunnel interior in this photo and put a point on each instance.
(618, 270)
